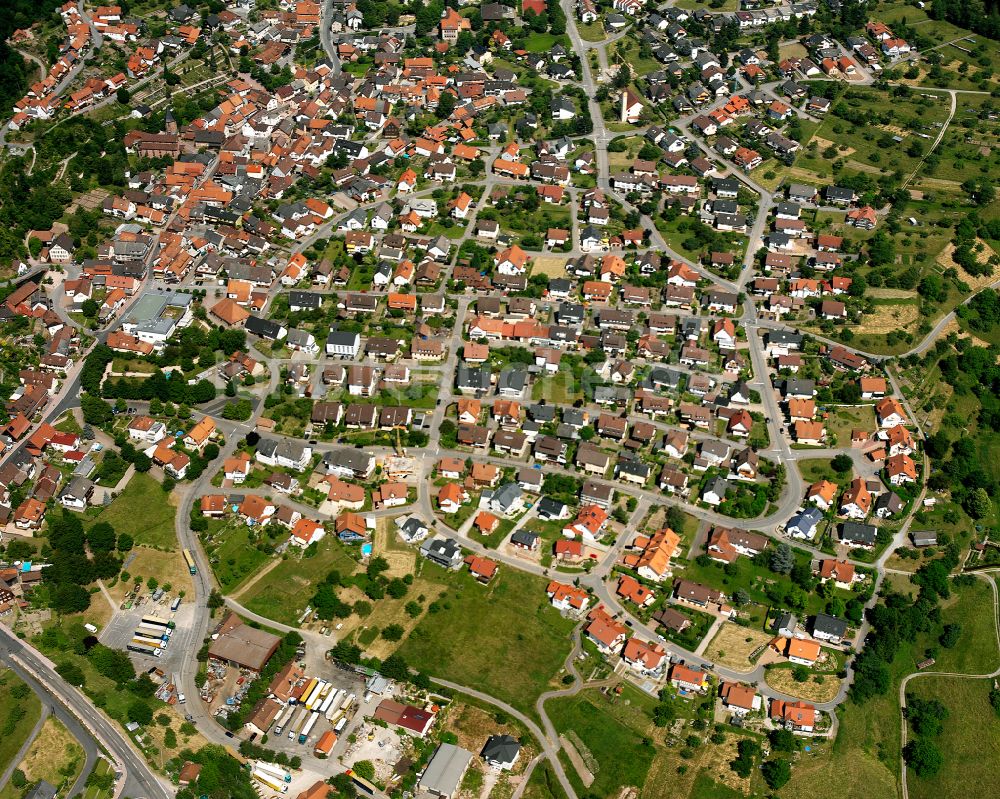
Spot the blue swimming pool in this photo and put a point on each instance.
(366, 549)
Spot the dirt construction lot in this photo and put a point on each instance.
(887, 318)
(551, 265)
(733, 645)
(812, 690)
(384, 750)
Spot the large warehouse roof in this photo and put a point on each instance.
(244, 646)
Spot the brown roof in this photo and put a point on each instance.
(284, 680)
(189, 773)
(230, 312)
(264, 713)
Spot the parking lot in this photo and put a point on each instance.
(227, 686)
(119, 631)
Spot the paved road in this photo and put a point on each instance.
(75, 710)
(43, 68)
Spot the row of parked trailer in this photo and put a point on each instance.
(151, 636)
(320, 699)
(272, 775)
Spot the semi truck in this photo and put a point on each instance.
(271, 782)
(152, 631)
(283, 719)
(315, 695)
(276, 771)
(310, 686)
(158, 622)
(328, 701)
(297, 722)
(144, 647)
(307, 727)
(157, 642)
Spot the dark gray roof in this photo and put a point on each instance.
(856, 533)
(549, 507)
(806, 519)
(501, 748)
(304, 299)
(830, 625)
(524, 538)
(507, 495)
(265, 328)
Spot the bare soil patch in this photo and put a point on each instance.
(896, 130)
(550, 265)
(890, 294)
(818, 688)
(401, 562)
(886, 318)
(842, 149)
(733, 645)
(586, 777)
(976, 283)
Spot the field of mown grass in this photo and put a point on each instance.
(504, 638)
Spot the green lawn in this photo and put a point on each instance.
(549, 531)
(755, 580)
(976, 651)
(691, 637)
(970, 741)
(68, 424)
(559, 388)
(613, 749)
(543, 42)
(461, 516)
(816, 469)
(232, 552)
(16, 701)
(494, 539)
(122, 365)
(629, 52)
(504, 638)
(102, 768)
(845, 419)
(54, 756)
(143, 511)
(864, 148)
(544, 784)
(285, 591)
(591, 32)
(704, 786)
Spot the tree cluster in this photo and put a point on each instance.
(71, 568)
(897, 620)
